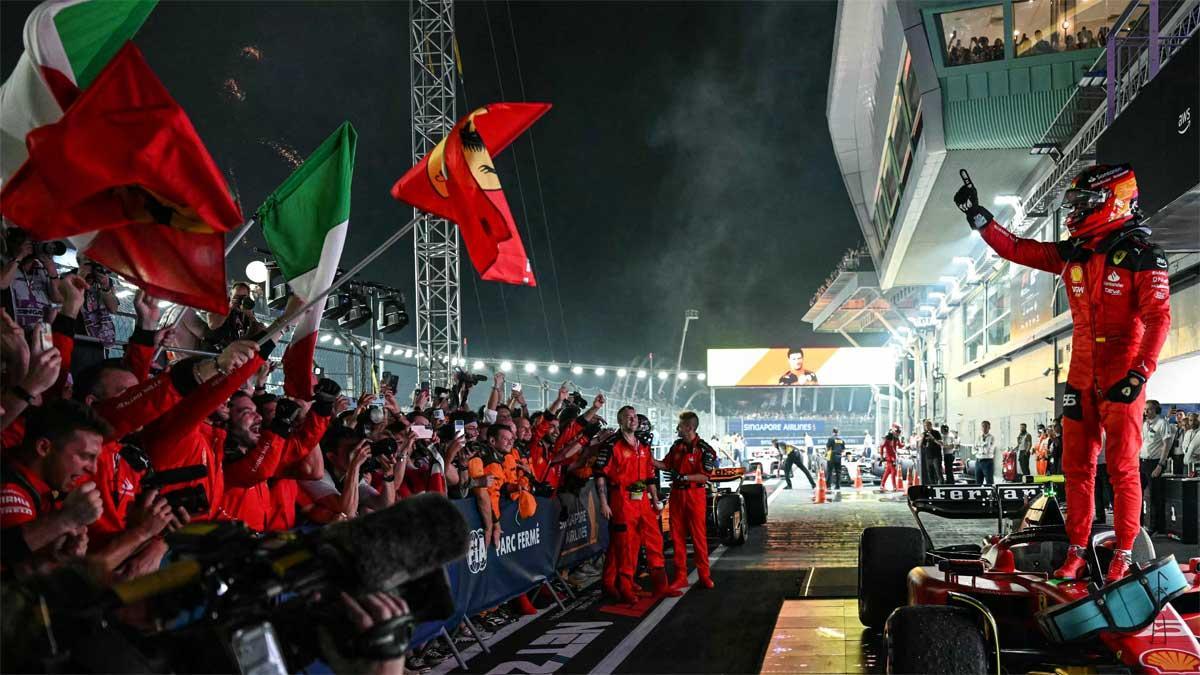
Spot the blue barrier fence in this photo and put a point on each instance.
(531, 551)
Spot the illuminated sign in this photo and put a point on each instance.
(800, 366)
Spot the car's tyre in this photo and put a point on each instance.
(755, 495)
(885, 557)
(731, 520)
(918, 641)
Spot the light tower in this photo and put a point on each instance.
(435, 245)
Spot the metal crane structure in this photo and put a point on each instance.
(435, 246)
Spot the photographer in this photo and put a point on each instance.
(99, 304)
(344, 491)
(238, 322)
(931, 455)
(27, 277)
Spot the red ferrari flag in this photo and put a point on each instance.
(124, 175)
(458, 181)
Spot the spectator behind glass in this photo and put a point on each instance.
(26, 279)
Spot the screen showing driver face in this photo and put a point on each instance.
(799, 366)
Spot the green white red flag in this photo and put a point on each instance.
(67, 44)
(124, 175)
(305, 222)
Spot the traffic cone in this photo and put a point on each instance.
(758, 472)
(819, 496)
(898, 480)
(858, 478)
(913, 478)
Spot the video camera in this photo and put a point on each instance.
(192, 498)
(576, 399)
(256, 603)
(462, 377)
(245, 303)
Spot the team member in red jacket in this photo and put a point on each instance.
(1119, 293)
(252, 454)
(629, 499)
(62, 442)
(182, 436)
(691, 462)
(302, 457)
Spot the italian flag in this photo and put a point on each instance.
(305, 222)
(67, 44)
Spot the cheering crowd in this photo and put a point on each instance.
(104, 457)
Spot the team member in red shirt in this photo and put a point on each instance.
(62, 442)
(691, 462)
(1119, 293)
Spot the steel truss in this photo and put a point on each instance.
(435, 247)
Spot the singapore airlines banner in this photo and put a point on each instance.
(775, 366)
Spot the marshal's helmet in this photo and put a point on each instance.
(1101, 199)
(645, 430)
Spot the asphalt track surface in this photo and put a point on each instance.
(805, 552)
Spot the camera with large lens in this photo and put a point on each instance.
(469, 379)
(246, 303)
(49, 248)
(382, 447)
(576, 399)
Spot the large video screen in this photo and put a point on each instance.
(800, 366)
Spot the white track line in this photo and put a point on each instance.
(618, 655)
(471, 652)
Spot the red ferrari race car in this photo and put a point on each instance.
(993, 607)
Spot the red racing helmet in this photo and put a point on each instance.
(1101, 199)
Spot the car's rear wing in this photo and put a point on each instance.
(972, 501)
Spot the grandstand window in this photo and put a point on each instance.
(974, 35)
(998, 308)
(904, 129)
(1048, 27)
(973, 324)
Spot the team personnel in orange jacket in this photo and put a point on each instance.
(1119, 293)
(691, 462)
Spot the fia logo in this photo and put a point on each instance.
(477, 552)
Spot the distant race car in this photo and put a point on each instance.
(993, 607)
(734, 506)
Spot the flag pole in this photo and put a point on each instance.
(186, 310)
(279, 325)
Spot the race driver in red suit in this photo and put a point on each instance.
(1117, 287)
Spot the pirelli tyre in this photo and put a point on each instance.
(916, 642)
(755, 495)
(885, 557)
(731, 519)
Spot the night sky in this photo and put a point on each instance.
(686, 162)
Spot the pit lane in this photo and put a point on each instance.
(784, 603)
